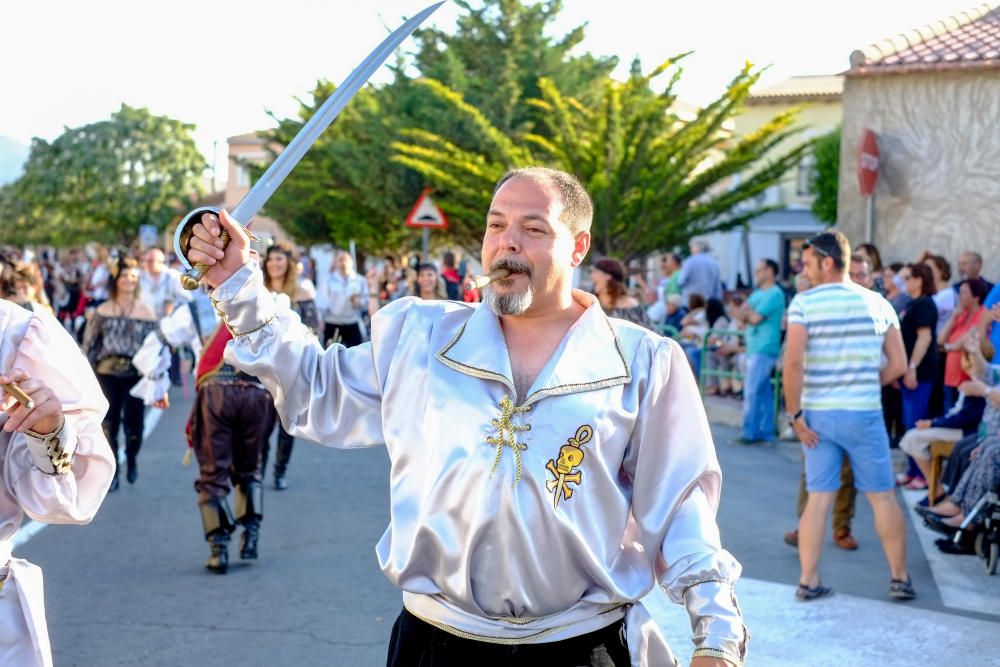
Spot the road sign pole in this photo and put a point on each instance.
(870, 220)
(427, 243)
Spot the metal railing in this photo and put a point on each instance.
(704, 372)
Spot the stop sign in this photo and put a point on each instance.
(867, 162)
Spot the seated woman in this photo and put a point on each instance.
(983, 473)
(962, 419)
(982, 477)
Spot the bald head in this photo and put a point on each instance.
(578, 209)
(970, 264)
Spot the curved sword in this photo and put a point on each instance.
(266, 185)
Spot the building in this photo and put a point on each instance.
(779, 234)
(243, 150)
(932, 97)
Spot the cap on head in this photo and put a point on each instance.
(830, 244)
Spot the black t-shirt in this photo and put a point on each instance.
(921, 313)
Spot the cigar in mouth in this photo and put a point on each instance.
(19, 394)
(482, 281)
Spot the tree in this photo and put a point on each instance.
(826, 179)
(347, 187)
(101, 181)
(656, 181)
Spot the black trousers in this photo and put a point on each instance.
(347, 335)
(415, 643)
(125, 411)
(282, 456)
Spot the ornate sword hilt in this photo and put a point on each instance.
(182, 242)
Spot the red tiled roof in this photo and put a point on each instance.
(969, 39)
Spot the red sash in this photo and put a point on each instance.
(211, 354)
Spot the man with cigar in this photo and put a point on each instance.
(549, 465)
(55, 462)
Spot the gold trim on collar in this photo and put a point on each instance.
(465, 368)
(558, 390)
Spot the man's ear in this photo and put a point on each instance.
(581, 246)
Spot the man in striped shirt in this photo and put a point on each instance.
(843, 344)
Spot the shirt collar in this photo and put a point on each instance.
(588, 357)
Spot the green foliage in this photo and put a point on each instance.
(656, 181)
(348, 187)
(826, 181)
(101, 181)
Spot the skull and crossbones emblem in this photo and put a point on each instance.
(571, 455)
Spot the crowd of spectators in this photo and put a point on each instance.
(737, 336)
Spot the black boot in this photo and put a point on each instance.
(217, 519)
(114, 452)
(281, 458)
(249, 512)
(132, 444)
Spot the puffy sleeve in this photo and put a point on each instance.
(676, 487)
(153, 358)
(332, 396)
(49, 353)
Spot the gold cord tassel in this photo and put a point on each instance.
(507, 436)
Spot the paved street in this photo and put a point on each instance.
(130, 589)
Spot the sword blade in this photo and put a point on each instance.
(560, 489)
(266, 185)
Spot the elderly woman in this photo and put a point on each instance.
(964, 319)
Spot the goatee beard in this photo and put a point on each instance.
(510, 303)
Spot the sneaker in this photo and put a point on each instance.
(903, 480)
(792, 538)
(805, 594)
(901, 590)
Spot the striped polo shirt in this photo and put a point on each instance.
(846, 325)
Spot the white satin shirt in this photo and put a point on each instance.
(37, 344)
(516, 522)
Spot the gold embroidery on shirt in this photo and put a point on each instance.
(507, 432)
(570, 456)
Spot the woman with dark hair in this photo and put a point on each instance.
(113, 335)
(971, 294)
(917, 327)
(428, 283)
(282, 275)
(608, 276)
(944, 296)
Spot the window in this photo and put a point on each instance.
(806, 176)
(242, 176)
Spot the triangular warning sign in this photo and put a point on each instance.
(425, 213)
